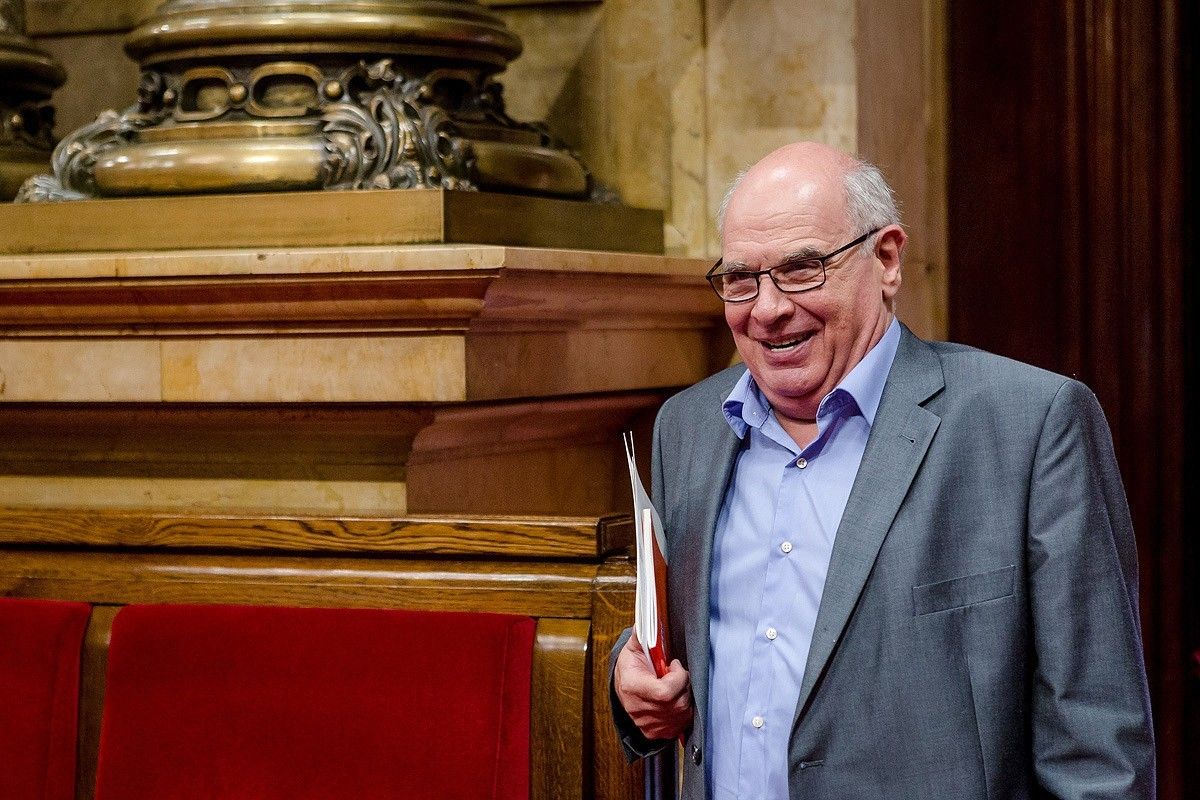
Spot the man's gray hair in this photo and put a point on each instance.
(870, 202)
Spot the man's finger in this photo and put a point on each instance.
(657, 691)
(674, 683)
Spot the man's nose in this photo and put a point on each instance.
(771, 304)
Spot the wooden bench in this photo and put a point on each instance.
(572, 575)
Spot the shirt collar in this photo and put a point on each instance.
(745, 407)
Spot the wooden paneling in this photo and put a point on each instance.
(1067, 239)
(560, 730)
(535, 589)
(92, 674)
(612, 612)
(551, 537)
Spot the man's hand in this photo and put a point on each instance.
(660, 707)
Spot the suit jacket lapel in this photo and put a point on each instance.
(899, 438)
(713, 461)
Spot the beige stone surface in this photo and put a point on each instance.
(554, 39)
(75, 370)
(365, 324)
(89, 16)
(778, 71)
(335, 260)
(688, 219)
(314, 369)
(200, 495)
(253, 261)
(622, 83)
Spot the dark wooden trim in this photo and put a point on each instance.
(1066, 244)
(1189, 60)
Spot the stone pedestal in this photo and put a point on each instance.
(363, 380)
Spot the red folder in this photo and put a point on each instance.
(653, 629)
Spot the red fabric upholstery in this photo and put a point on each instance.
(251, 702)
(40, 645)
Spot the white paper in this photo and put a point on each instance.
(646, 524)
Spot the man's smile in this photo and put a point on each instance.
(784, 345)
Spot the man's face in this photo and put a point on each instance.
(799, 346)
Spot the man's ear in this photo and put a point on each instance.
(889, 248)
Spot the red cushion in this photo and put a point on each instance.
(252, 702)
(40, 644)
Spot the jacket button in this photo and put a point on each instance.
(697, 756)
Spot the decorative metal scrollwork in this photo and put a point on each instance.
(75, 157)
(428, 115)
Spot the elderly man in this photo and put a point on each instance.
(898, 569)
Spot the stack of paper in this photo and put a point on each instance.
(650, 602)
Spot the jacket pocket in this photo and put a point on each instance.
(968, 590)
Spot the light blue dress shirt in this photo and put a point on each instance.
(773, 541)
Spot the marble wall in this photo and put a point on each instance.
(778, 71)
(668, 99)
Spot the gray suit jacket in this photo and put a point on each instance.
(978, 636)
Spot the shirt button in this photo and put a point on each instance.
(801, 462)
(786, 547)
(772, 633)
(757, 722)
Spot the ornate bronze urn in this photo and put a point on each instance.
(269, 95)
(28, 76)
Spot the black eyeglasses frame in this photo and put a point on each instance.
(770, 271)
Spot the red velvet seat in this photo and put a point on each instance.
(253, 702)
(40, 644)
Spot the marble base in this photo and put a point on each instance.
(365, 381)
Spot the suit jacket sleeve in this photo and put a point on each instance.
(1091, 727)
(633, 742)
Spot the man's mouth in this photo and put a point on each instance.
(784, 345)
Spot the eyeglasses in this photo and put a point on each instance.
(800, 274)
